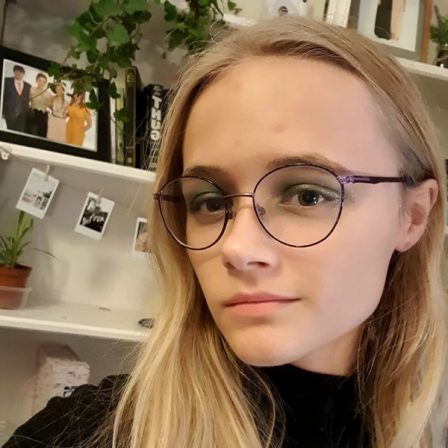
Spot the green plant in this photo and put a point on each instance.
(12, 247)
(107, 36)
(439, 33)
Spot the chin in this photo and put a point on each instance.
(262, 353)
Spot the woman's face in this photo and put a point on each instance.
(59, 90)
(41, 82)
(278, 107)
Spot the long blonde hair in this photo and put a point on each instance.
(188, 389)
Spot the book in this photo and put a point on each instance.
(155, 99)
(132, 89)
(118, 147)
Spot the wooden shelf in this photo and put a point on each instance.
(76, 319)
(78, 163)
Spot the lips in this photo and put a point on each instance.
(253, 298)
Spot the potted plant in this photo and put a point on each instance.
(12, 273)
(439, 35)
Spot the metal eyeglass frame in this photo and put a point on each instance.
(343, 180)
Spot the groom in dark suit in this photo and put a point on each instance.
(16, 100)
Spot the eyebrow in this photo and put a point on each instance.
(313, 158)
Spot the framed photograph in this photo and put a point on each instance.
(37, 194)
(37, 112)
(94, 216)
(397, 25)
(140, 245)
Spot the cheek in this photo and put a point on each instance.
(350, 268)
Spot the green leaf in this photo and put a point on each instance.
(85, 20)
(231, 5)
(78, 33)
(133, 6)
(121, 115)
(92, 56)
(170, 11)
(117, 35)
(113, 92)
(175, 38)
(93, 102)
(54, 70)
(95, 17)
(204, 2)
(105, 8)
(75, 29)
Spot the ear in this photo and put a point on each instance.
(417, 204)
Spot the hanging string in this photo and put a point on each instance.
(7, 154)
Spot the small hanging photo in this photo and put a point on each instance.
(94, 216)
(37, 194)
(140, 244)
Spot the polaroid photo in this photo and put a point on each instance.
(37, 194)
(94, 216)
(140, 245)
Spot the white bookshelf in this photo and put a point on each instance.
(76, 319)
(77, 163)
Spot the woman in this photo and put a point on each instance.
(57, 119)
(40, 101)
(303, 194)
(79, 120)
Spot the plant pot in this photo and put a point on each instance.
(12, 278)
(442, 56)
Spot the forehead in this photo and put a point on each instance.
(270, 107)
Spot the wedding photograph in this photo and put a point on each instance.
(40, 111)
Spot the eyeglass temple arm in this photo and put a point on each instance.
(374, 179)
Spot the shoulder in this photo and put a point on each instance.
(71, 420)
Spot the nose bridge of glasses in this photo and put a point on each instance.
(230, 204)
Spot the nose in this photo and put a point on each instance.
(246, 247)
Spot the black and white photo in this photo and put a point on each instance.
(94, 216)
(37, 194)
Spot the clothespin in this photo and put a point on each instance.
(98, 198)
(5, 153)
(47, 171)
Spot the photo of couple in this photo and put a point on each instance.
(33, 104)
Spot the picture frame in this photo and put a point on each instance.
(400, 27)
(54, 119)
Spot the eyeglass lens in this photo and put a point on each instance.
(297, 205)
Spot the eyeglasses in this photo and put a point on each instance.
(298, 205)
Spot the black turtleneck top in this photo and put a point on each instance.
(321, 412)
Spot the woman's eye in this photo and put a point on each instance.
(206, 203)
(307, 195)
